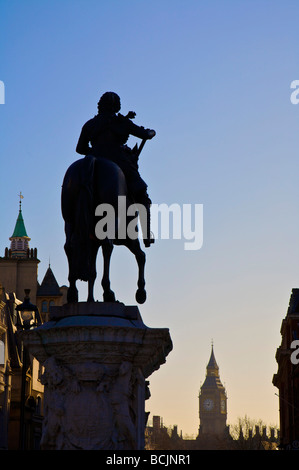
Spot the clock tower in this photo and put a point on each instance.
(212, 402)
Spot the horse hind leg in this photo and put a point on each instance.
(72, 292)
(108, 294)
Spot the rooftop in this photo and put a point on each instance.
(49, 285)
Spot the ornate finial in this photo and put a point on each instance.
(21, 197)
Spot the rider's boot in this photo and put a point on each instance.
(145, 220)
(149, 236)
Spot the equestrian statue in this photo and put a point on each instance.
(108, 171)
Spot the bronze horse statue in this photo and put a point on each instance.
(89, 182)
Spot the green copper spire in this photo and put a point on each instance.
(20, 230)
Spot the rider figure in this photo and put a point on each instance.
(108, 132)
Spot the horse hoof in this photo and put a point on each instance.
(109, 296)
(140, 296)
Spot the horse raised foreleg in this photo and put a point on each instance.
(134, 247)
(108, 294)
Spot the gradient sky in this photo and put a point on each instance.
(213, 79)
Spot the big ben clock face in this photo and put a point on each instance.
(208, 404)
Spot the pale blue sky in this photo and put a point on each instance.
(213, 79)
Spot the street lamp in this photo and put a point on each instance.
(28, 317)
(28, 314)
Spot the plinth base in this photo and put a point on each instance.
(96, 358)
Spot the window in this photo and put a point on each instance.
(40, 372)
(44, 306)
(2, 353)
(19, 244)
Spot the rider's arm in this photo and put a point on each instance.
(136, 131)
(83, 147)
(140, 132)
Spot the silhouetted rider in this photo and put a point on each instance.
(106, 135)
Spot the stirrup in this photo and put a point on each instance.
(149, 241)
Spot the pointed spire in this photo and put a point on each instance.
(20, 230)
(212, 379)
(19, 246)
(212, 361)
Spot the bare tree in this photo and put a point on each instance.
(249, 434)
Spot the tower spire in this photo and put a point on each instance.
(212, 367)
(19, 239)
(20, 202)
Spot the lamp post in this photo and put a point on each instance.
(28, 317)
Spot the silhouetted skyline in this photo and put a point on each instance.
(213, 79)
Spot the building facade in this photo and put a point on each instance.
(21, 414)
(287, 377)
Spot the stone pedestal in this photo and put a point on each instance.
(97, 357)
